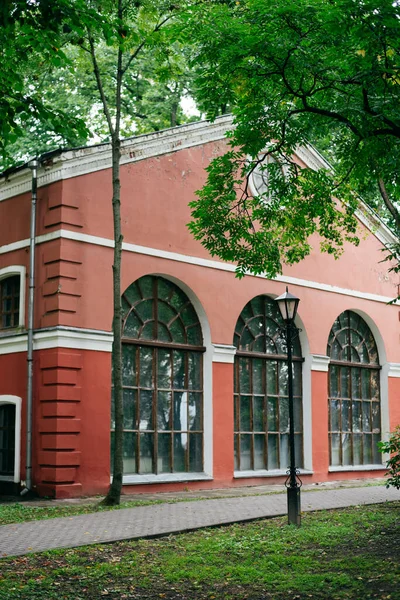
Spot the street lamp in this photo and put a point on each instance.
(288, 305)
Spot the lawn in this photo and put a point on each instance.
(342, 554)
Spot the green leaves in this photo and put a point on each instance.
(293, 73)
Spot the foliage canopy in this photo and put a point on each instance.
(301, 71)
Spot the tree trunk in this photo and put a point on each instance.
(114, 494)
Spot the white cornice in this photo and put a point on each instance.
(192, 260)
(320, 362)
(81, 161)
(394, 370)
(224, 354)
(59, 337)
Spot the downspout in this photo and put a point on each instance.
(33, 165)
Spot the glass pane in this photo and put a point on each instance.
(132, 294)
(128, 365)
(179, 369)
(298, 420)
(164, 369)
(297, 379)
(283, 378)
(195, 401)
(356, 409)
(376, 455)
(164, 453)
(245, 403)
(346, 415)
(129, 452)
(376, 417)
(194, 335)
(164, 410)
(148, 331)
(367, 447)
(283, 414)
(146, 285)
(273, 441)
(146, 410)
(298, 448)
(375, 385)
(177, 331)
(146, 452)
(132, 326)
(245, 452)
(357, 449)
(272, 378)
(236, 412)
(178, 298)
(188, 315)
(334, 410)
(196, 453)
(335, 449)
(345, 382)
(235, 452)
(366, 416)
(163, 333)
(195, 382)
(259, 447)
(333, 382)
(165, 312)
(180, 411)
(145, 310)
(272, 414)
(365, 388)
(146, 376)
(258, 413)
(284, 448)
(356, 383)
(244, 375)
(129, 402)
(346, 449)
(180, 446)
(258, 387)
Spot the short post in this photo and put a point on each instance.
(288, 305)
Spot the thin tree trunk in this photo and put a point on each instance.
(389, 205)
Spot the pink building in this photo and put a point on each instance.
(205, 381)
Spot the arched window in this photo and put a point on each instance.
(261, 421)
(354, 398)
(162, 379)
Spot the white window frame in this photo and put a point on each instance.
(10, 272)
(17, 401)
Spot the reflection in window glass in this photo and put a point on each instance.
(354, 399)
(162, 380)
(261, 405)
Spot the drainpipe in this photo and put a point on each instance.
(33, 165)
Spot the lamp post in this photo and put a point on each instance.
(288, 305)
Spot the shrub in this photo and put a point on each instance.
(392, 447)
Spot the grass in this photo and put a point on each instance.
(349, 554)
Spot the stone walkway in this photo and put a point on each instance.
(162, 519)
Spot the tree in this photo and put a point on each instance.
(392, 446)
(322, 71)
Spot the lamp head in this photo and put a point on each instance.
(288, 305)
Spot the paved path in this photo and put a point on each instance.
(162, 519)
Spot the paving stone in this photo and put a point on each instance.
(166, 518)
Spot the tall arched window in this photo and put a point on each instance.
(261, 390)
(162, 379)
(354, 398)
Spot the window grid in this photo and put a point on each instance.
(354, 398)
(162, 381)
(7, 439)
(261, 404)
(9, 301)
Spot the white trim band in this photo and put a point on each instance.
(151, 478)
(394, 370)
(192, 260)
(59, 337)
(319, 362)
(224, 354)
